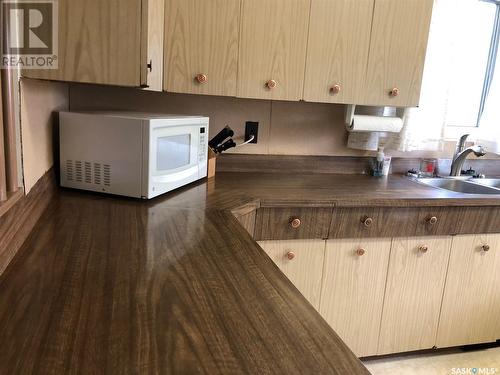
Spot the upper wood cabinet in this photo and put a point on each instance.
(471, 304)
(273, 41)
(414, 290)
(353, 290)
(397, 52)
(337, 53)
(302, 262)
(109, 42)
(201, 46)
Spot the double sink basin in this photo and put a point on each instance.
(482, 186)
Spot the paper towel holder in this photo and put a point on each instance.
(400, 112)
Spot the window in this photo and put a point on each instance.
(471, 55)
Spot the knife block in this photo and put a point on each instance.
(212, 163)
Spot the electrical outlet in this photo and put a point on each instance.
(251, 128)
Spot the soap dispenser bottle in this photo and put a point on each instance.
(378, 170)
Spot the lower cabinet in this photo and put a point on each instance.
(386, 296)
(471, 303)
(353, 290)
(302, 262)
(414, 290)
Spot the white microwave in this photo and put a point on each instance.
(131, 154)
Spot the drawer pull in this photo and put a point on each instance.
(423, 249)
(394, 92)
(486, 248)
(290, 255)
(335, 89)
(367, 222)
(201, 78)
(295, 223)
(271, 84)
(432, 220)
(360, 252)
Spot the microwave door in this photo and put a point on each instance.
(173, 157)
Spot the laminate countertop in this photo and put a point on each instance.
(175, 285)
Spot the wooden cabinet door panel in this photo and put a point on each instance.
(353, 291)
(273, 43)
(397, 51)
(337, 52)
(99, 42)
(414, 290)
(306, 267)
(471, 305)
(201, 37)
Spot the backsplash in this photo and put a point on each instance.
(285, 128)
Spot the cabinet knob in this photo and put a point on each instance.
(290, 255)
(271, 84)
(295, 222)
(367, 221)
(486, 247)
(201, 78)
(423, 249)
(360, 252)
(432, 220)
(335, 89)
(394, 92)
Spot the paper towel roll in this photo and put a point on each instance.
(363, 123)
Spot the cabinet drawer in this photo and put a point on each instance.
(373, 222)
(292, 223)
(436, 221)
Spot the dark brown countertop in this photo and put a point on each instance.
(175, 285)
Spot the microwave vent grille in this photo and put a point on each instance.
(88, 172)
(97, 173)
(69, 170)
(78, 171)
(107, 175)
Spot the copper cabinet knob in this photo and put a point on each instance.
(423, 249)
(271, 84)
(432, 220)
(360, 252)
(394, 92)
(290, 255)
(335, 89)
(295, 222)
(201, 78)
(367, 221)
(486, 247)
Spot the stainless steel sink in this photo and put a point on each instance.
(491, 182)
(461, 186)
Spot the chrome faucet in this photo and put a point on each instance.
(461, 154)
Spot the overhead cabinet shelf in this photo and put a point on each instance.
(333, 51)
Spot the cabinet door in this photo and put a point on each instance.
(353, 290)
(273, 49)
(99, 42)
(397, 51)
(471, 304)
(337, 52)
(201, 46)
(302, 262)
(415, 284)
